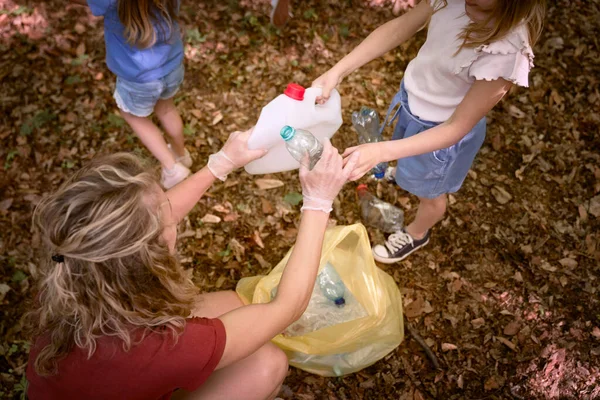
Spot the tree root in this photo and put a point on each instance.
(415, 335)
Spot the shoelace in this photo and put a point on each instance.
(398, 240)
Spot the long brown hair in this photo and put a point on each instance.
(141, 17)
(111, 274)
(506, 16)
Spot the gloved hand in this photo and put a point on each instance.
(323, 183)
(233, 155)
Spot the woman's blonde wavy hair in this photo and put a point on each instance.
(141, 18)
(117, 277)
(506, 16)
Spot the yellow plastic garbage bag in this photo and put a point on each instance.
(350, 346)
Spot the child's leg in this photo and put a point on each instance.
(401, 244)
(169, 117)
(280, 13)
(429, 213)
(152, 138)
(258, 376)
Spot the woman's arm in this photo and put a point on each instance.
(250, 327)
(234, 154)
(383, 39)
(479, 100)
(184, 196)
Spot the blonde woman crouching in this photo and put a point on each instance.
(117, 317)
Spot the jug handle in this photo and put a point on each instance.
(311, 95)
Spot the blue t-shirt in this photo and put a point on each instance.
(129, 62)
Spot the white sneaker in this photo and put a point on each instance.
(171, 177)
(185, 159)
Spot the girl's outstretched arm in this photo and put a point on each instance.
(480, 99)
(383, 39)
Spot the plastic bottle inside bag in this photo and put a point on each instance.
(295, 107)
(378, 213)
(331, 303)
(332, 285)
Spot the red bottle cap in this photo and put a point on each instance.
(294, 91)
(362, 187)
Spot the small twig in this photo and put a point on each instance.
(415, 335)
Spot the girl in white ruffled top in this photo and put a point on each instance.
(475, 51)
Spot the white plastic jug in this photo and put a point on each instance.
(295, 107)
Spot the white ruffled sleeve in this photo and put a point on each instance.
(510, 59)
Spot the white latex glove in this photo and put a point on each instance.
(323, 183)
(234, 154)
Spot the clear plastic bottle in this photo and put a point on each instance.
(378, 213)
(299, 143)
(366, 124)
(332, 285)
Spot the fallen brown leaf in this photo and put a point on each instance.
(267, 207)
(448, 347)
(595, 206)
(568, 262)
(217, 117)
(491, 383)
(512, 328)
(258, 239)
(507, 343)
(501, 195)
(478, 323)
(415, 308)
(210, 219)
(267, 184)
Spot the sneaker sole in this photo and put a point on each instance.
(395, 260)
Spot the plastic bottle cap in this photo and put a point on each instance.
(361, 187)
(294, 91)
(287, 132)
(340, 302)
(380, 175)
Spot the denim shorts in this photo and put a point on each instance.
(139, 99)
(442, 171)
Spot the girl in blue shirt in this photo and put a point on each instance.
(144, 50)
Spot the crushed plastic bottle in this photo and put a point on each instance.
(390, 174)
(300, 143)
(378, 213)
(332, 285)
(366, 124)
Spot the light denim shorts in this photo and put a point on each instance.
(139, 99)
(442, 171)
